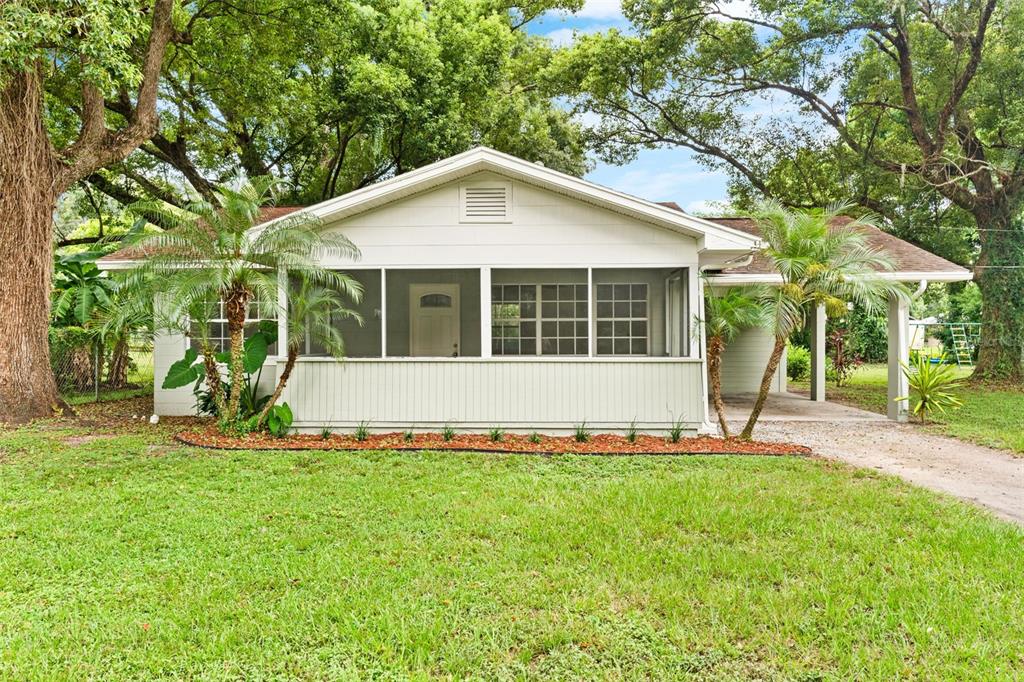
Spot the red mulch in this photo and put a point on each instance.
(599, 444)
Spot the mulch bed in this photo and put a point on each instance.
(599, 444)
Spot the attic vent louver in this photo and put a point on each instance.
(486, 202)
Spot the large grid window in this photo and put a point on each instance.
(557, 326)
(218, 325)
(622, 319)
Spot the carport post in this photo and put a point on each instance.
(899, 352)
(818, 353)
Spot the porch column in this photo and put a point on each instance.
(818, 318)
(694, 303)
(899, 351)
(485, 312)
(282, 313)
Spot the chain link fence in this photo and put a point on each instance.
(89, 371)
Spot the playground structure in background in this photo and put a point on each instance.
(954, 341)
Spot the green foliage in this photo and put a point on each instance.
(448, 432)
(632, 432)
(497, 434)
(868, 335)
(535, 438)
(932, 387)
(798, 362)
(362, 431)
(408, 436)
(675, 432)
(729, 312)
(326, 433)
(80, 287)
(580, 433)
(188, 370)
(279, 420)
(211, 254)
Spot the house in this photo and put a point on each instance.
(501, 292)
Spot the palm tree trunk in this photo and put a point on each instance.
(766, 385)
(293, 354)
(715, 348)
(117, 373)
(235, 307)
(213, 380)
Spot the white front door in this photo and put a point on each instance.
(434, 320)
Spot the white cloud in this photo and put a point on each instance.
(740, 9)
(601, 9)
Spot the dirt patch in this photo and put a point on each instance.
(598, 444)
(82, 440)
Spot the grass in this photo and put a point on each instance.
(126, 557)
(989, 416)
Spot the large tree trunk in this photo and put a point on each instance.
(117, 375)
(766, 385)
(27, 203)
(1000, 276)
(715, 348)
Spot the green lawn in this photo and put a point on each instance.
(989, 416)
(126, 557)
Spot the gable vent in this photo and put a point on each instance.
(486, 202)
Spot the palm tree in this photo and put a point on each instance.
(313, 312)
(726, 314)
(209, 252)
(820, 264)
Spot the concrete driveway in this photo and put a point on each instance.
(991, 478)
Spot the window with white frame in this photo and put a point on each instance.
(217, 329)
(539, 319)
(622, 319)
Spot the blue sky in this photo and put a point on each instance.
(660, 174)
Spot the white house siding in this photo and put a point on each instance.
(523, 394)
(744, 361)
(546, 229)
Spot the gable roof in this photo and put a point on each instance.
(912, 263)
(481, 159)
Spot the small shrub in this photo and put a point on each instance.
(325, 433)
(675, 432)
(497, 434)
(581, 433)
(844, 361)
(931, 387)
(408, 436)
(362, 431)
(448, 433)
(798, 363)
(535, 438)
(631, 432)
(279, 420)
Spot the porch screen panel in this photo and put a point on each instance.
(514, 319)
(622, 319)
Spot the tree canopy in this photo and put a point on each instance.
(913, 109)
(334, 95)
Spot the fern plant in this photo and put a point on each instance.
(931, 387)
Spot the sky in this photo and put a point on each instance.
(669, 174)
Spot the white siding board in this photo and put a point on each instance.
(744, 361)
(517, 394)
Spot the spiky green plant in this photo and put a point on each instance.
(675, 432)
(823, 260)
(497, 434)
(931, 386)
(581, 433)
(362, 431)
(211, 252)
(448, 432)
(535, 438)
(632, 432)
